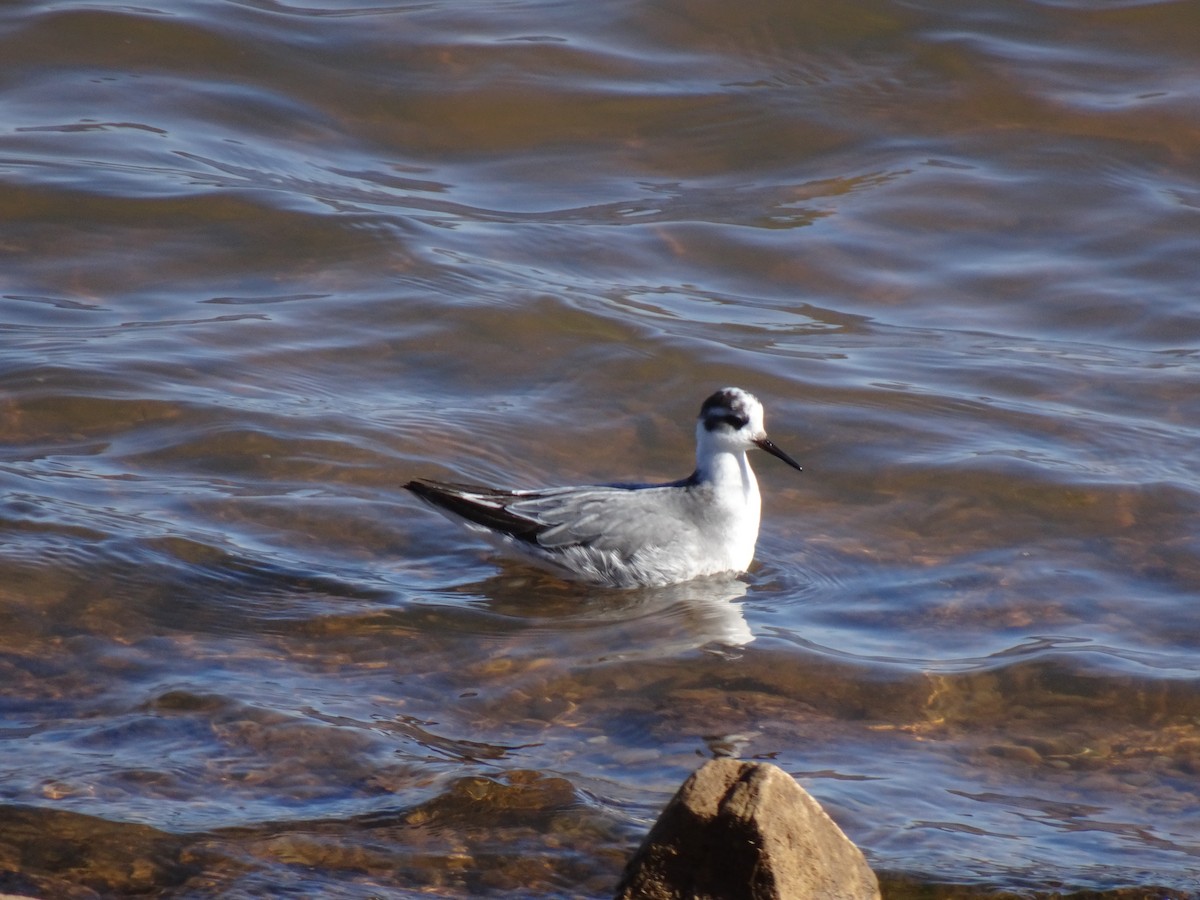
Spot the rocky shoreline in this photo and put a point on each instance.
(748, 831)
(734, 830)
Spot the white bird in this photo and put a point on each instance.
(635, 535)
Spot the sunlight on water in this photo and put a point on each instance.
(266, 262)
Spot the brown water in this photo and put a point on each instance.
(263, 262)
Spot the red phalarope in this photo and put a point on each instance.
(635, 535)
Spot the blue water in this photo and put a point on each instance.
(263, 263)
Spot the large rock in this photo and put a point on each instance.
(746, 830)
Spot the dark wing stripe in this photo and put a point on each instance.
(491, 514)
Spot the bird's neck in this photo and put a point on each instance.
(729, 473)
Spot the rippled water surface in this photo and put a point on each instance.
(264, 262)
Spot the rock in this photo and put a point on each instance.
(746, 830)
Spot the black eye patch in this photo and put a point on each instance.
(733, 420)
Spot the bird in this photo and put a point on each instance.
(635, 535)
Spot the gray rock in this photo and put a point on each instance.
(746, 830)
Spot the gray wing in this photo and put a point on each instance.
(617, 519)
(622, 520)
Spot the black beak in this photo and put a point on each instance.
(764, 443)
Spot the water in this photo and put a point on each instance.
(262, 263)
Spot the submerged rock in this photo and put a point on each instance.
(746, 830)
